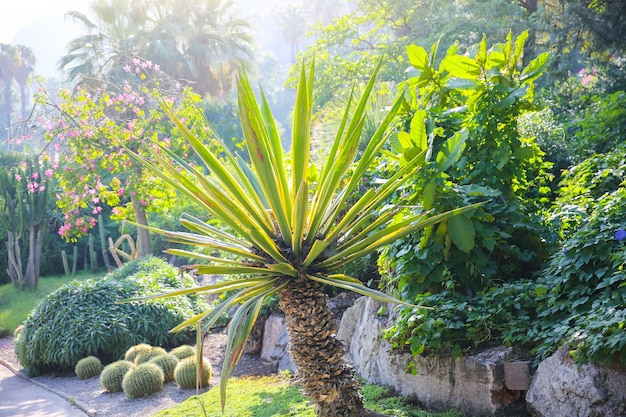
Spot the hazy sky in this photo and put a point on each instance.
(39, 24)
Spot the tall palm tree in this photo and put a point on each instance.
(9, 58)
(25, 68)
(288, 234)
(189, 39)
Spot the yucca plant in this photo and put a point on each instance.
(287, 235)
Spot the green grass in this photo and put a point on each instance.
(274, 396)
(16, 305)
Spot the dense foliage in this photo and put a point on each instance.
(464, 114)
(83, 318)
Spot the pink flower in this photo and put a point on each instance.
(127, 68)
(35, 175)
(18, 177)
(48, 173)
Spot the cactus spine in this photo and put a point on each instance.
(88, 367)
(142, 381)
(113, 374)
(185, 373)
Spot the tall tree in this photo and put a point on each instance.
(350, 46)
(196, 40)
(8, 68)
(25, 68)
(90, 131)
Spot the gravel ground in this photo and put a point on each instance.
(95, 401)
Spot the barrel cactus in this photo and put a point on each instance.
(167, 362)
(113, 374)
(152, 353)
(134, 351)
(142, 381)
(185, 373)
(184, 351)
(88, 367)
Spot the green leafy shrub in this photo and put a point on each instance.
(184, 351)
(578, 298)
(583, 298)
(147, 356)
(84, 318)
(460, 323)
(142, 381)
(185, 373)
(88, 367)
(134, 351)
(601, 126)
(113, 374)
(466, 125)
(167, 362)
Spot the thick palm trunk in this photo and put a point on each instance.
(327, 379)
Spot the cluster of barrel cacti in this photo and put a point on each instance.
(145, 369)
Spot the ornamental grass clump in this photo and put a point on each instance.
(186, 373)
(288, 230)
(113, 374)
(144, 380)
(88, 367)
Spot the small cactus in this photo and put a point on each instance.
(185, 373)
(88, 367)
(142, 381)
(167, 362)
(184, 351)
(146, 356)
(136, 350)
(113, 374)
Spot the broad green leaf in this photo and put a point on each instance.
(461, 66)
(519, 48)
(461, 231)
(535, 68)
(418, 57)
(451, 150)
(418, 130)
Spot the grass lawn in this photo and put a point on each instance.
(275, 396)
(16, 305)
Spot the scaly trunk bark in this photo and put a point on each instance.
(327, 379)
(144, 247)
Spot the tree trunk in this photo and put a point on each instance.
(144, 247)
(33, 265)
(327, 379)
(15, 260)
(29, 276)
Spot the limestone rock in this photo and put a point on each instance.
(474, 385)
(276, 343)
(561, 389)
